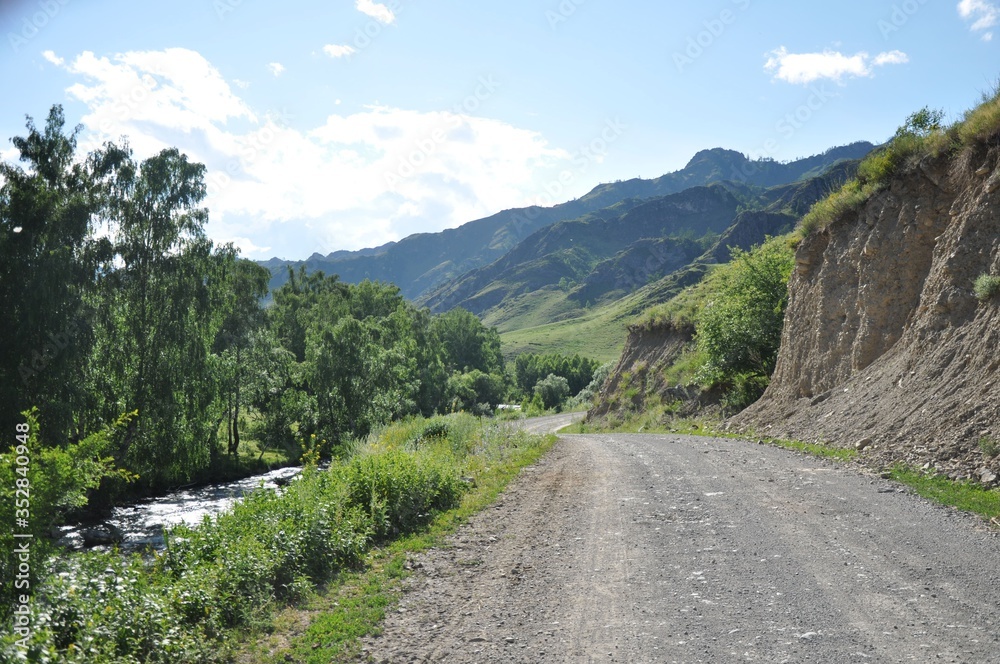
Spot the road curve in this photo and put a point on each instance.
(550, 423)
(647, 548)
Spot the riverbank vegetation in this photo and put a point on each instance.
(229, 574)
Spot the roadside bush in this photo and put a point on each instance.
(739, 331)
(266, 542)
(103, 607)
(399, 491)
(233, 570)
(745, 389)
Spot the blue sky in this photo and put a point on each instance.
(349, 123)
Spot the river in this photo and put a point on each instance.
(141, 524)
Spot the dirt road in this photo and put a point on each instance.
(648, 548)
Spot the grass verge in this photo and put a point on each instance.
(966, 496)
(328, 626)
(654, 422)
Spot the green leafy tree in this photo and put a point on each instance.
(432, 375)
(468, 344)
(238, 287)
(274, 377)
(299, 300)
(553, 390)
(475, 391)
(48, 262)
(529, 368)
(157, 319)
(740, 329)
(360, 357)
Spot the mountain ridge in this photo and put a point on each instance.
(419, 263)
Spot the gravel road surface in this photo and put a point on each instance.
(651, 548)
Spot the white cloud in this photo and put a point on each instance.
(891, 58)
(276, 68)
(53, 58)
(339, 50)
(245, 244)
(802, 68)
(983, 14)
(242, 85)
(358, 179)
(175, 90)
(377, 11)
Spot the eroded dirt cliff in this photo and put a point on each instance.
(885, 343)
(639, 374)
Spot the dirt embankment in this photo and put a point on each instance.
(885, 343)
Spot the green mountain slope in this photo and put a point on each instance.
(569, 251)
(555, 320)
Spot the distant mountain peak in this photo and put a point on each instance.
(715, 154)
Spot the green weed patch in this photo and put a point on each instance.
(966, 496)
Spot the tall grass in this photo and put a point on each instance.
(981, 124)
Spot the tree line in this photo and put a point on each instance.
(117, 303)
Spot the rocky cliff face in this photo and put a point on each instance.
(885, 344)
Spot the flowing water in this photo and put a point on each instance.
(141, 524)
